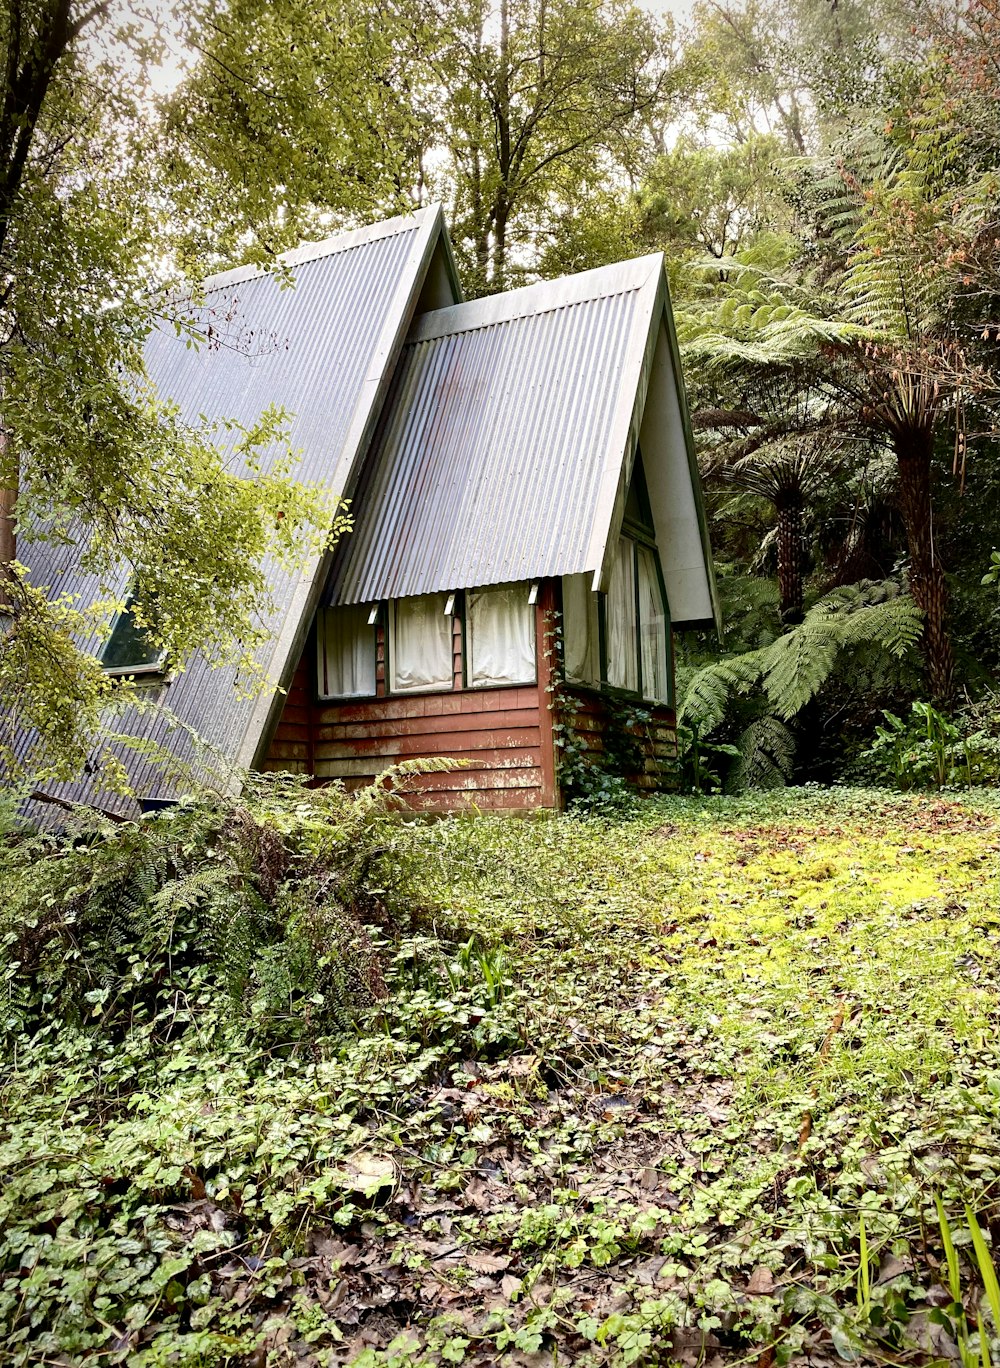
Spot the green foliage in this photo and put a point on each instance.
(973, 1351)
(858, 631)
(577, 1106)
(259, 903)
(930, 750)
(701, 762)
(188, 511)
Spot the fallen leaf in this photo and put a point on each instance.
(761, 1282)
(488, 1263)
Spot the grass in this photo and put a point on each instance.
(687, 1087)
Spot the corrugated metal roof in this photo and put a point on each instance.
(502, 447)
(324, 350)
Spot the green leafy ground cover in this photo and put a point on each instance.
(681, 1087)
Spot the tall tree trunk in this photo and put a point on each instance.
(789, 505)
(914, 449)
(8, 533)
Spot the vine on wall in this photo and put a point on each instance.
(594, 779)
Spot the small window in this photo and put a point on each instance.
(654, 627)
(581, 631)
(345, 652)
(622, 639)
(500, 631)
(420, 648)
(129, 649)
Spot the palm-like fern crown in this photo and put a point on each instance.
(870, 624)
(872, 297)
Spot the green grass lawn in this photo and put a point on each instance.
(677, 1088)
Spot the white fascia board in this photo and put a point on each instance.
(671, 479)
(610, 503)
(302, 606)
(530, 300)
(313, 251)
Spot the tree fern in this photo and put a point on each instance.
(711, 688)
(863, 622)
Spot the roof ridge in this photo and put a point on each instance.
(306, 252)
(545, 296)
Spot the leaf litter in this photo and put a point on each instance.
(604, 1160)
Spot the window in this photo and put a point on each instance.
(637, 624)
(345, 653)
(420, 646)
(500, 633)
(129, 649)
(653, 629)
(623, 655)
(581, 631)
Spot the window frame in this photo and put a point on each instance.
(466, 651)
(151, 669)
(640, 536)
(390, 647)
(345, 698)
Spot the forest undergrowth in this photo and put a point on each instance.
(684, 1086)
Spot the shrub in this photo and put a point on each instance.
(253, 909)
(928, 749)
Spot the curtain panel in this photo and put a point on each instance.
(653, 628)
(623, 657)
(581, 631)
(345, 653)
(500, 636)
(420, 646)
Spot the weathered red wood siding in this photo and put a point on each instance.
(503, 734)
(291, 745)
(589, 717)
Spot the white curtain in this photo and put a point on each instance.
(500, 631)
(345, 655)
(420, 650)
(581, 632)
(653, 628)
(623, 660)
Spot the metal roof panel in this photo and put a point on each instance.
(507, 419)
(322, 348)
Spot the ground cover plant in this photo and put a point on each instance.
(291, 1080)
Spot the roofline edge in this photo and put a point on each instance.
(628, 420)
(509, 305)
(305, 599)
(692, 455)
(306, 252)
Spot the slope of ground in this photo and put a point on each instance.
(683, 1087)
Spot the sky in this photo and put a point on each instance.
(166, 77)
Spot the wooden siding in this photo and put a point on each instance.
(590, 716)
(291, 744)
(504, 735)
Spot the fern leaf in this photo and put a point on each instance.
(766, 756)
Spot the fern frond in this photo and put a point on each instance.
(867, 624)
(766, 756)
(710, 690)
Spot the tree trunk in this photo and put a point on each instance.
(927, 582)
(789, 505)
(8, 534)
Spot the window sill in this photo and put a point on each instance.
(135, 671)
(618, 695)
(507, 684)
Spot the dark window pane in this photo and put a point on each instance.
(128, 646)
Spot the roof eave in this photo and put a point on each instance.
(624, 439)
(692, 455)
